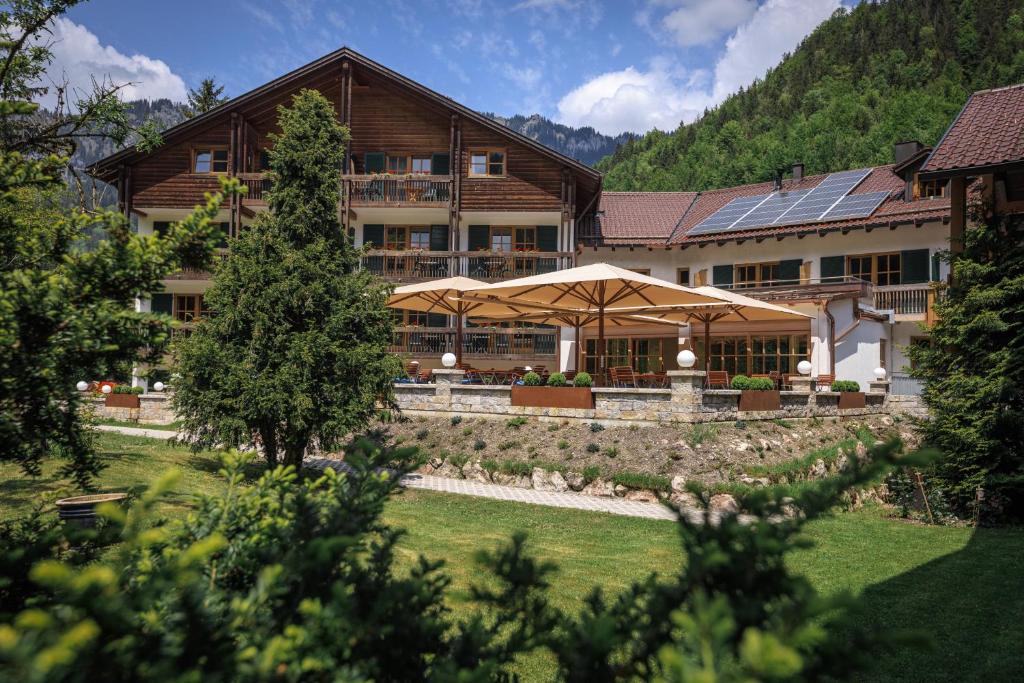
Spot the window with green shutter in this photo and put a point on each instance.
(721, 275)
(373, 235)
(440, 163)
(547, 238)
(833, 267)
(374, 162)
(789, 271)
(479, 237)
(162, 303)
(914, 266)
(438, 238)
(935, 268)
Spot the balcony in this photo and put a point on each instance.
(809, 289)
(257, 185)
(908, 302)
(427, 191)
(489, 266)
(193, 273)
(478, 343)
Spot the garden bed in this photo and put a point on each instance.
(553, 397)
(754, 400)
(121, 401)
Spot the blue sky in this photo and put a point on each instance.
(620, 65)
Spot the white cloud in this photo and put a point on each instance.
(78, 58)
(701, 22)
(665, 95)
(526, 77)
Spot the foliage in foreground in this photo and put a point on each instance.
(293, 578)
(974, 368)
(295, 351)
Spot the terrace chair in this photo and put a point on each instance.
(717, 379)
(787, 382)
(623, 376)
(412, 371)
(824, 382)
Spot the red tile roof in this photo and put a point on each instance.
(988, 131)
(640, 217)
(643, 218)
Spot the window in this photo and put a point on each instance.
(755, 354)
(210, 160)
(421, 165)
(188, 308)
(501, 239)
(880, 269)
(487, 162)
(931, 189)
(407, 318)
(643, 354)
(641, 271)
(683, 276)
(526, 239)
(398, 165)
(755, 274)
(402, 237)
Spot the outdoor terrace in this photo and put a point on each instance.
(478, 343)
(386, 191)
(414, 266)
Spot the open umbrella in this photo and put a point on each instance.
(589, 290)
(438, 296)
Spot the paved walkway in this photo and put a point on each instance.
(465, 487)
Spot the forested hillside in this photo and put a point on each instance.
(583, 144)
(865, 79)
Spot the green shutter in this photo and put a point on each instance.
(721, 275)
(935, 267)
(832, 267)
(440, 164)
(374, 162)
(479, 237)
(373, 235)
(914, 266)
(438, 238)
(161, 227)
(437, 320)
(547, 238)
(162, 303)
(789, 271)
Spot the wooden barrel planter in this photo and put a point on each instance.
(121, 401)
(81, 510)
(552, 397)
(849, 400)
(758, 400)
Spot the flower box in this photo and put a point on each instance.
(121, 401)
(759, 400)
(849, 400)
(552, 397)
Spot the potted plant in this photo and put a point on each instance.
(850, 395)
(123, 396)
(557, 393)
(757, 393)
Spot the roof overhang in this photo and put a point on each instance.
(972, 171)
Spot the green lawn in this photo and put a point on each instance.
(962, 587)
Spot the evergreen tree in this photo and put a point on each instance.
(204, 98)
(294, 353)
(974, 367)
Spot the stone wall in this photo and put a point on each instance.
(684, 401)
(153, 409)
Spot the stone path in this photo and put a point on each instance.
(465, 487)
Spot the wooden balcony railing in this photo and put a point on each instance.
(193, 273)
(407, 190)
(909, 302)
(479, 265)
(504, 344)
(257, 185)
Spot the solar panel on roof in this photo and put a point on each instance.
(856, 205)
(823, 196)
(728, 214)
(768, 210)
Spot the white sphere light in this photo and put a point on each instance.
(528, 368)
(82, 385)
(880, 373)
(686, 358)
(804, 367)
(106, 388)
(448, 360)
(158, 386)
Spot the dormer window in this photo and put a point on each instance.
(930, 189)
(210, 160)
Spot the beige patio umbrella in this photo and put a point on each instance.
(590, 289)
(735, 308)
(438, 296)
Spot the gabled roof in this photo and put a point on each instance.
(639, 218)
(987, 133)
(104, 167)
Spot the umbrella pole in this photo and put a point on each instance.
(458, 338)
(579, 349)
(602, 359)
(707, 346)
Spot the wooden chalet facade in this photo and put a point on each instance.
(432, 188)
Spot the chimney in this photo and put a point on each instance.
(798, 172)
(777, 185)
(904, 150)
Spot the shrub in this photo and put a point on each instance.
(740, 424)
(596, 427)
(699, 433)
(593, 447)
(456, 419)
(562, 444)
(507, 445)
(845, 385)
(783, 423)
(489, 465)
(522, 469)
(583, 379)
(553, 428)
(641, 480)
(516, 422)
(744, 383)
(422, 433)
(611, 452)
(532, 379)
(591, 473)
(126, 389)
(467, 431)
(458, 459)
(479, 445)
(557, 379)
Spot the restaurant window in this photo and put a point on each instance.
(402, 237)
(683, 276)
(880, 269)
(501, 239)
(756, 354)
(398, 165)
(188, 308)
(406, 318)
(643, 354)
(526, 239)
(210, 160)
(487, 162)
(648, 356)
(421, 165)
(755, 274)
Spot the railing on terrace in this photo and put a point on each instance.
(506, 344)
(388, 190)
(194, 273)
(805, 288)
(902, 384)
(480, 265)
(257, 185)
(910, 300)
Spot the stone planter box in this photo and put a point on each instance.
(121, 401)
(760, 400)
(81, 510)
(552, 397)
(851, 399)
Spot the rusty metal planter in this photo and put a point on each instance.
(121, 401)
(756, 400)
(851, 399)
(552, 397)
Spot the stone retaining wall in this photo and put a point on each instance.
(684, 401)
(153, 409)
